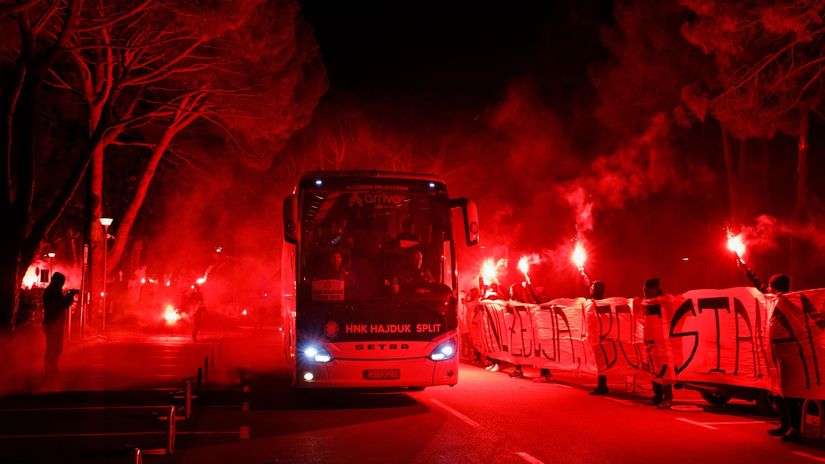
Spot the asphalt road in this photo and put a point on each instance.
(116, 392)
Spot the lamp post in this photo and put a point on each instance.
(105, 222)
(51, 256)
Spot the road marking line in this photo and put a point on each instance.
(737, 422)
(616, 400)
(560, 385)
(700, 424)
(456, 414)
(528, 458)
(809, 456)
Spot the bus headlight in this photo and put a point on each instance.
(443, 351)
(317, 354)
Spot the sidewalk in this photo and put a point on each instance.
(125, 357)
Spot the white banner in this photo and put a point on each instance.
(735, 336)
(717, 336)
(797, 341)
(615, 335)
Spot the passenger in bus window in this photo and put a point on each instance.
(335, 267)
(408, 236)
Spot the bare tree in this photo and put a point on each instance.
(143, 74)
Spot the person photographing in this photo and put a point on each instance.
(55, 305)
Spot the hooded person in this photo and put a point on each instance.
(597, 289)
(790, 409)
(55, 305)
(662, 389)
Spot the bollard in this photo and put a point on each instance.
(200, 378)
(188, 399)
(170, 431)
(138, 455)
(206, 368)
(812, 414)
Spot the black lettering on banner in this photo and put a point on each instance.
(739, 312)
(623, 309)
(683, 310)
(782, 320)
(557, 317)
(492, 336)
(715, 304)
(807, 309)
(554, 336)
(519, 346)
(601, 311)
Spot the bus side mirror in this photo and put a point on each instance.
(291, 220)
(470, 213)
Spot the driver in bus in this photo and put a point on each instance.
(414, 276)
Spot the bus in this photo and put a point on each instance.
(370, 286)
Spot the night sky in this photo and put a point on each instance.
(465, 67)
(459, 55)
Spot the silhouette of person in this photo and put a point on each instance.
(335, 268)
(197, 308)
(408, 237)
(790, 409)
(662, 389)
(55, 304)
(597, 289)
(414, 275)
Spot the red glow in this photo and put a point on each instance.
(490, 270)
(524, 265)
(30, 279)
(171, 315)
(736, 245)
(579, 256)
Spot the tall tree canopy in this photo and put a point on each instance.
(83, 79)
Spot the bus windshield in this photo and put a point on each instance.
(374, 242)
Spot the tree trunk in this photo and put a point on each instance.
(96, 238)
(766, 174)
(124, 228)
(800, 208)
(742, 185)
(733, 204)
(9, 286)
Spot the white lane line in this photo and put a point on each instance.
(528, 458)
(737, 422)
(616, 400)
(809, 456)
(700, 424)
(456, 413)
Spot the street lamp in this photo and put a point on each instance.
(51, 256)
(105, 222)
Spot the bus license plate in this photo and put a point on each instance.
(382, 374)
